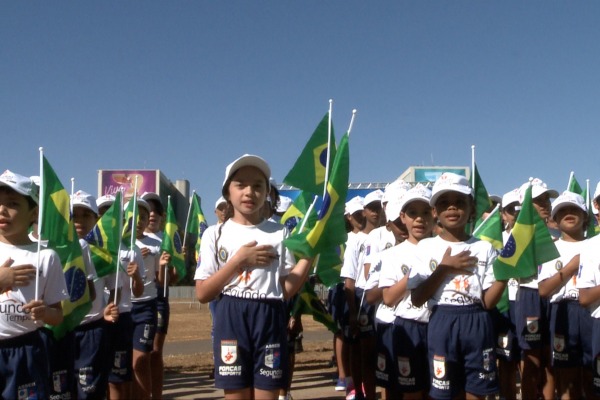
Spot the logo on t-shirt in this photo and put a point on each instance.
(222, 254)
(433, 264)
(559, 265)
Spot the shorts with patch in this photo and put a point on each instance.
(163, 314)
(365, 319)
(532, 319)
(461, 350)
(410, 350)
(250, 344)
(143, 317)
(60, 358)
(24, 367)
(507, 344)
(570, 327)
(385, 372)
(336, 303)
(90, 364)
(120, 336)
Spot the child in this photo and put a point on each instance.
(220, 209)
(244, 263)
(410, 322)
(570, 323)
(90, 340)
(454, 275)
(143, 311)
(533, 313)
(360, 329)
(24, 369)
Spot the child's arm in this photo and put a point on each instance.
(137, 286)
(393, 294)
(493, 294)
(450, 265)
(292, 283)
(164, 261)
(49, 314)
(111, 312)
(549, 286)
(374, 295)
(349, 292)
(588, 296)
(249, 254)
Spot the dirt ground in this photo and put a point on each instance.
(193, 323)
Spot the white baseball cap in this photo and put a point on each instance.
(247, 160)
(85, 200)
(106, 200)
(374, 196)
(220, 201)
(514, 196)
(449, 182)
(20, 184)
(141, 203)
(417, 193)
(354, 204)
(395, 190)
(284, 203)
(151, 196)
(597, 192)
(568, 199)
(538, 187)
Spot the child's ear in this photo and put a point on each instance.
(33, 214)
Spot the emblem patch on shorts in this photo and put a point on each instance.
(439, 366)
(273, 356)
(559, 343)
(381, 362)
(404, 366)
(532, 325)
(503, 341)
(229, 351)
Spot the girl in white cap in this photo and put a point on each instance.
(243, 262)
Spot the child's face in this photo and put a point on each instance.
(372, 212)
(84, 220)
(509, 214)
(155, 219)
(16, 216)
(570, 219)
(542, 205)
(220, 212)
(248, 191)
(418, 219)
(453, 210)
(142, 222)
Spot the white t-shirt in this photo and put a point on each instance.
(378, 240)
(108, 282)
(567, 251)
(124, 282)
(456, 289)
(52, 288)
(150, 267)
(395, 265)
(251, 282)
(383, 313)
(354, 255)
(589, 270)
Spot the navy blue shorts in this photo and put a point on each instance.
(570, 324)
(507, 345)
(410, 350)
(163, 314)
(120, 336)
(90, 364)
(461, 352)
(143, 317)
(366, 318)
(386, 370)
(60, 356)
(336, 303)
(532, 319)
(24, 367)
(250, 344)
(596, 354)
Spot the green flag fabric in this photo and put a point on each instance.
(196, 224)
(171, 242)
(528, 246)
(574, 186)
(58, 229)
(104, 239)
(131, 217)
(490, 229)
(308, 173)
(309, 303)
(329, 229)
(482, 198)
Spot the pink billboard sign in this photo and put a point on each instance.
(113, 181)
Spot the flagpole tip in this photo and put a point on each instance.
(472, 147)
(40, 148)
(354, 111)
(330, 101)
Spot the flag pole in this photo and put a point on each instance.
(351, 121)
(119, 249)
(167, 265)
(187, 219)
(39, 223)
(570, 179)
(134, 218)
(472, 223)
(328, 148)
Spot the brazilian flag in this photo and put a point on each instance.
(104, 239)
(171, 242)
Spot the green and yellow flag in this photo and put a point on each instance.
(196, 223)
(490, 229)
(575, 187)
(171, 242)
(528, 246)
(131, 217)
(309, 171)
(58, 229)
(329, 229)
(481, 196)
(308, 303)
(104, 239)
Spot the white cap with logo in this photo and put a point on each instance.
(84, 199)
(449, 182)
(568, 199)
(20, 184)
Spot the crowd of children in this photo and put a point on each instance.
(416, 304)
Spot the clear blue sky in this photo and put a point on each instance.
(187, 86)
